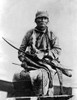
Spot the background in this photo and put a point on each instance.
(17, 17)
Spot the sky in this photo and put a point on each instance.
(17, 17)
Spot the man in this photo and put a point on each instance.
(42, 43)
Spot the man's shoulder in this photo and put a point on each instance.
(51, 34)
(29, 33)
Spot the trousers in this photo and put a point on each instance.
(39, 80)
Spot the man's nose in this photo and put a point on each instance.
(42, 19)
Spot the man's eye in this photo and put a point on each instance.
(44, 18)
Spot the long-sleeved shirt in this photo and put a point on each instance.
(37, 42)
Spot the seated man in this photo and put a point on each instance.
(40, 42)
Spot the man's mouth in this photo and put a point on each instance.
(42, 23)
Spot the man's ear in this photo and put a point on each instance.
(36, 20)
(48, 21)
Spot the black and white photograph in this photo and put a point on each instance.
(38, 49)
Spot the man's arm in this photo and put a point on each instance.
(23, 46)
(55, 50)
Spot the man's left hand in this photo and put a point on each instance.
(51, 54)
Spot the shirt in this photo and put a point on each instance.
(36, 41)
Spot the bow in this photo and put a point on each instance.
(35, 61)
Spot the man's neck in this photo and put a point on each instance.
(41, 29)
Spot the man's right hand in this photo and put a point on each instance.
(40, 55)
(24, 65)
(22, 59)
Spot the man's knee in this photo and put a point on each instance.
(25, 75)
(21, 76)
(16, 77)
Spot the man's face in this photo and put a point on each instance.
(42, 22)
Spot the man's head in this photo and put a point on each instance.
(42, 19)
